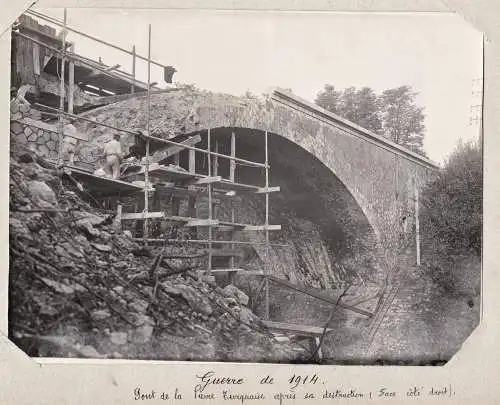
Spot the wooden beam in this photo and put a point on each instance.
(192, 161)
(202, 222)
(141, 215)
(232, 163)
(216, 160)
(208, 180)
(265, 190)
(132, 87)
(262, 228)
(36, 59)
(318, 296)
(303, 330)
(239, 271)
(165, 153)
(71, 80)
(205, 242)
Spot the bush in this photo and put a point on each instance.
(451, 219)
(452, 203)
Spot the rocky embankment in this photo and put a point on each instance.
(80, 287)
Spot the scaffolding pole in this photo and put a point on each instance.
(132, 88)
(58, 23)
(417, 225)
(209, 204)
(232, 167)
(71, 79)
(146, 168)
(62, 92)
(266, 268)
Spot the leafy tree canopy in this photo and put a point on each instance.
(392, 114)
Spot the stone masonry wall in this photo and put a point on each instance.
(26, 128)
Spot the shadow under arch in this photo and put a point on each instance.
(312, 199)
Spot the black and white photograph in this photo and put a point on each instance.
(245, 186)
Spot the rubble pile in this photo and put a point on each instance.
(80, 287)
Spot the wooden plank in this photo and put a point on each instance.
(239, 271)
(205, 242)
(36, 59)
(262, 228)
(140, 215)
(232, 224)
(246, 227)
(209, 180)
(102, 185)
(202, 222)
(216, 160)
(132, 87)
(303, 330)
(166, 173)
(232, 163)
(265, 190)
(192, 161)
(71, 81)
(318, 296)
(172, 150)
(188, 222)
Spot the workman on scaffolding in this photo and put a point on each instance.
(112, 157)
(70, 143)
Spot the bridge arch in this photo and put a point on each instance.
(376, 177)
(312, 199)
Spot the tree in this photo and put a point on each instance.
(403, 120)
(362, 107)
(329, 99)
(393, 114)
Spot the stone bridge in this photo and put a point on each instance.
(356, 187)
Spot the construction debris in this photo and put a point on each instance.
(79, 289)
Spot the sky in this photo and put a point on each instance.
(438, 54)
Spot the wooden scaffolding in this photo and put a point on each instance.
(184, 183)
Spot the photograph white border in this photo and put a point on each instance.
(473, 373)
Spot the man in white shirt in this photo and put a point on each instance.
(69, 143)
(112, 155)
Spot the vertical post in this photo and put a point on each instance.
(146, 171)
(417, 225)
(71, 78)
(396, 176)
(132, 88)
(216, 160)
(62, 92)
(192, 161)
(232, 163)
(232, 166)
(266, 270)
(209, 159)
(117, 223)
